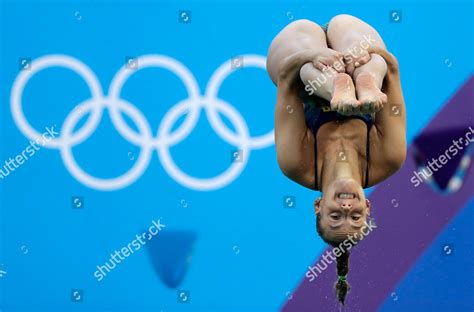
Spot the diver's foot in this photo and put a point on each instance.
(344, 96)
(371, 99)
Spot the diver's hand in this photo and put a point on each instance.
(329, 59)
(353, 61)
(323, 59)
(392, 62)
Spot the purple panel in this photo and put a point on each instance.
(431, 144)
(408, 220)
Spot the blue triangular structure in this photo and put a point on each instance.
(170, 253)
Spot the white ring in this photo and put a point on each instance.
(212, 92)
(210, 183)
(54, 61)
(164, 139)
(143, 62)
(114, 183)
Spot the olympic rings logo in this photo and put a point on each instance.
(164, 138)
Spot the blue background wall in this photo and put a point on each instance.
(251, 251)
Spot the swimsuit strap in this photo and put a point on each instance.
(315, 163)
(367, 155)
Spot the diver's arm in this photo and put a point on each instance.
(390, 122)
(294, 141)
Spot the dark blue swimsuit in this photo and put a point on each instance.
(317, 112)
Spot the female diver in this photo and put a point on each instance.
(339, 121)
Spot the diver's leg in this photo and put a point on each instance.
(296, 36)
(351, 36)
(301, 35)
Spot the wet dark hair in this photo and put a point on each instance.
(342, 287)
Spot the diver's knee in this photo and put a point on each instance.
(306, 26)
(342, 20)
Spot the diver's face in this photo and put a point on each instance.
(343, 209)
